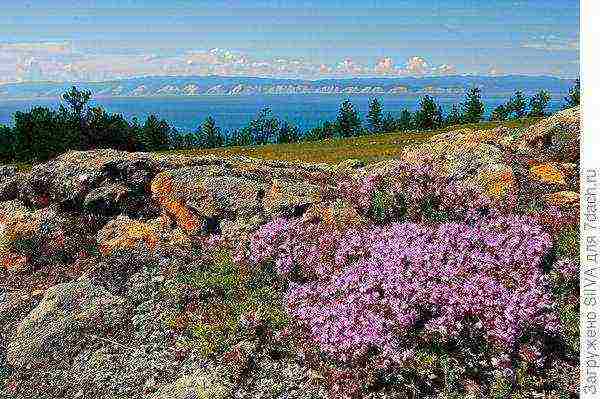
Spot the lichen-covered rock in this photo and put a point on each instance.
(68, 316)
(496, 180)
(70, 178)
(201, 383)
(290, 198)
(31, 239)
(554, 139)
(125, 233)
(562, 198)
(9, 183)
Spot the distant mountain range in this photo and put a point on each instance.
(239, 86)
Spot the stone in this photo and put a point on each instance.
(67, 316)
(9, 183)
(290, 198)
(201, 383)
(562, 198)
(125, 233)
(495, 180)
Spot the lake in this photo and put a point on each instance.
(232, 112)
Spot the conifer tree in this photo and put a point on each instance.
(473, 107)
(374, 117)
(348, 123)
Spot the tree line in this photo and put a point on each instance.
(42, 133)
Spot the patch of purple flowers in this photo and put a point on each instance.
(379, 286)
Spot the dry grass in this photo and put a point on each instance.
(367, 148)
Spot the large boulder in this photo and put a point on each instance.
(290, 197)
(30, 239)
(552, 139)
(68, 316)
(101, 180)
(197, 201)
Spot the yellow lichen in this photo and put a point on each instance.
(547, 173)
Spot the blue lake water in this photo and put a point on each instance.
(232, 112)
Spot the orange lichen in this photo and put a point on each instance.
(162, 191)
(498, 184)
(547, 173)
(562, 198)
(135, 233)
(13, 262)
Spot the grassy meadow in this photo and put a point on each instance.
(371, 148)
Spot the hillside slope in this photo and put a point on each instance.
(159, 276)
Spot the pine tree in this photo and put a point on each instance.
(155, 134)
(429, 116)
(7, 144)
(288, 133)
(348, 123)
(473, 107)
(374, 117)
(78, 101)
(573, 99)
(263, 128)
(405, 122)
(210, 134)
(516, 105)
(500, 113)
(455, 117)
(538, 104)
(388, 124)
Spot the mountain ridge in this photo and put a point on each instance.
(237, 86)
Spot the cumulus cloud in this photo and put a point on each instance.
(417, 66)
(385, 66)
(59, 61)
(494, 71)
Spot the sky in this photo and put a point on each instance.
(92, 40)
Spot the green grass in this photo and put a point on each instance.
(370, 148)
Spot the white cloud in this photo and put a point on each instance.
(445, 69)
(552, 43)
(385, 66)
(58, 61)
(41, 48)
(417, 66)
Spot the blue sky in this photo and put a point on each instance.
(102, 39)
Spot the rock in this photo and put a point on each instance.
(79, 178)
(555, 138)
(125, 233)
(67, 317)
(467, 160)
(40, 237)
(106, 200)
(339, 214)
(562, 198)
(189, 196)
(14, 224)
(201, 383)
(9, 183)
(350, 164)
(495, 180)
(290, 198)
